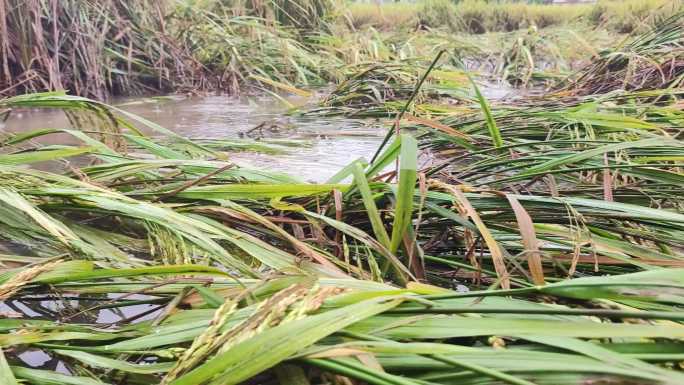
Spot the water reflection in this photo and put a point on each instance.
(98, 309)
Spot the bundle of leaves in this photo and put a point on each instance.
(651, 60)
(382, 89)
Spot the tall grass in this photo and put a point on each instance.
(90, 48)
(95, 48)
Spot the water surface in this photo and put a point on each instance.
(326, 144)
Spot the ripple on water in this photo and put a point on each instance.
(332, 143)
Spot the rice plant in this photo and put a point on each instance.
(650, 60)
(238, 276)
(149, 47)
(100, 49)
(91, 48)
(381, 89)
(541, 245)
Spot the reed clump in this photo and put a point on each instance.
(89, 47)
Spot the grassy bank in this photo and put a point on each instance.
(150, 47)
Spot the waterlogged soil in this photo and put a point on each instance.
(99, 309)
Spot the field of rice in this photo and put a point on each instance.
(515, 214)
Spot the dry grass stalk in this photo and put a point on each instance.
(492, 244)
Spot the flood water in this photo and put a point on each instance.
(324, 145)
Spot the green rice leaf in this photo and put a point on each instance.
(271, 347)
